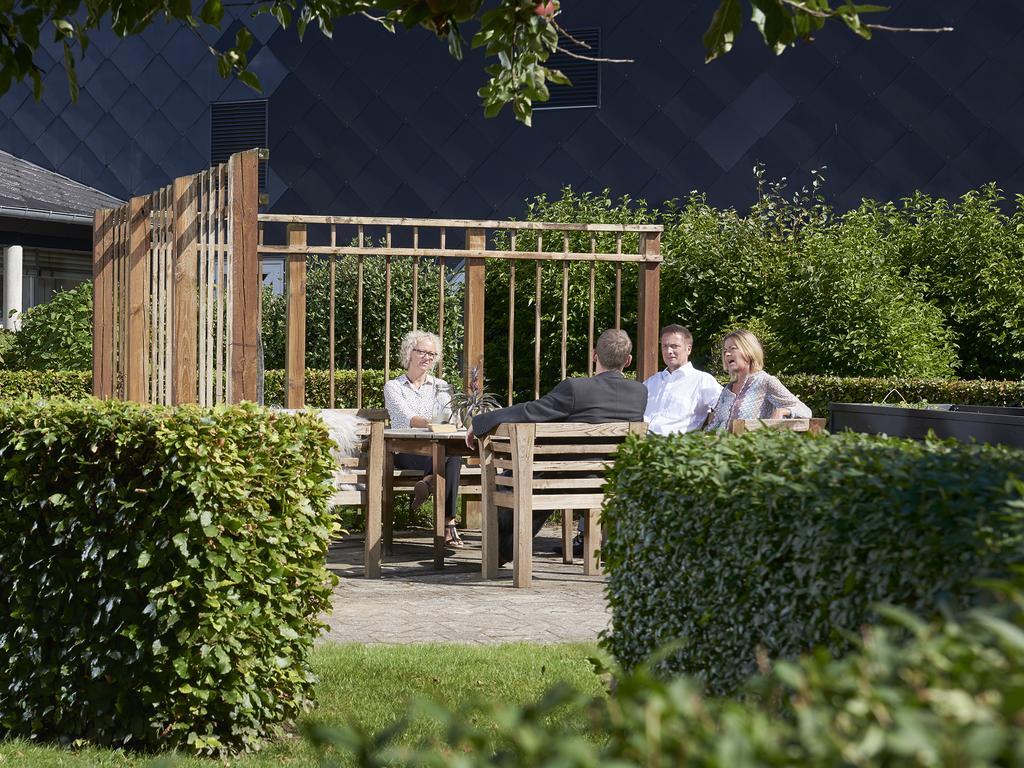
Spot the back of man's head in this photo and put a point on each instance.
(614, 349)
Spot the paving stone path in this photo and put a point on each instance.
(413, 603)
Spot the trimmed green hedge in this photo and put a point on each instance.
(318, 388)
(784, 542)
(911, 695)
(78, 384)
(816, 391)
(161, 571)
(70, 384)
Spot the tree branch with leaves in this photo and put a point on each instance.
(517, 36)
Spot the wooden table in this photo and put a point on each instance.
(439, 446)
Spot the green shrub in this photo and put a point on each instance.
(56, 335)
(912, 694)
(161, 571)
(970, 254)
(784, 542)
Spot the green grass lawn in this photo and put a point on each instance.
(370, 685)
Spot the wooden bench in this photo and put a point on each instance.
(551, 466)
(811, 426)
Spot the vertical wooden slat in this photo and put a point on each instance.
(590, 315)
(648, 308)
(591, 542)
(202, 251)
(473, 315)
(565, 302)
(186, 286)
(536, 322)
(330, 320)
(416, 280)
(103, 303)
(295, 328)
(223, 344)
(359, 324)
(153, 289)
(387, 307)
(245, 276)
(211, 276)
(618, 284)
(511, 320)
(136, 347)
(165, 322)
(440, 305)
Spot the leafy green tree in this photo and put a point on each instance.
(970, 255)
(56, 335)
(517, 36)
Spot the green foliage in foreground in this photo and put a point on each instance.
(367, 687)
(951, 695)
(783, 542)
(161, 571)
(56, 335)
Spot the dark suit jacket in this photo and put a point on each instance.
(608, 396)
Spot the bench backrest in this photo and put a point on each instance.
(350, 476)
(553, 465)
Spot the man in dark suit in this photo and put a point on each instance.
(606, 396)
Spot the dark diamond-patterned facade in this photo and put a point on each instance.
(379, 124)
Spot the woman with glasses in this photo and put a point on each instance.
(415, 399)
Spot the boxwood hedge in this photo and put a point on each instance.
(816, 391)
(780, 542)
(161, 571)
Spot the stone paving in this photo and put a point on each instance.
(413, 603)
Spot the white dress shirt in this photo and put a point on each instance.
(680, 401)
(432, 400)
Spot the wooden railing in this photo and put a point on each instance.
(177, 283)
(176, 287)
(384, 239)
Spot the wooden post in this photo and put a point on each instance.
(243, 184)
(295, 323)
(567, 535)
(473, 336)
(136, 353)
(103, 304)
(647, 307)
(522, 438)
(374, 498)
(185, 312)
(476, 240)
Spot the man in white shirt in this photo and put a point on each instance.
(680, 397)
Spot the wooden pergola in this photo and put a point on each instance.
(177, 282)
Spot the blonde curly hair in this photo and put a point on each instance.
(412, 339)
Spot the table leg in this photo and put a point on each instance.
(439, 453)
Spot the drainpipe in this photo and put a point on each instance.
(12, 288)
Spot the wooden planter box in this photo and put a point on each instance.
(984, 424)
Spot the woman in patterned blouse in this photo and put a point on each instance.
(415, 399)
(752, 393)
